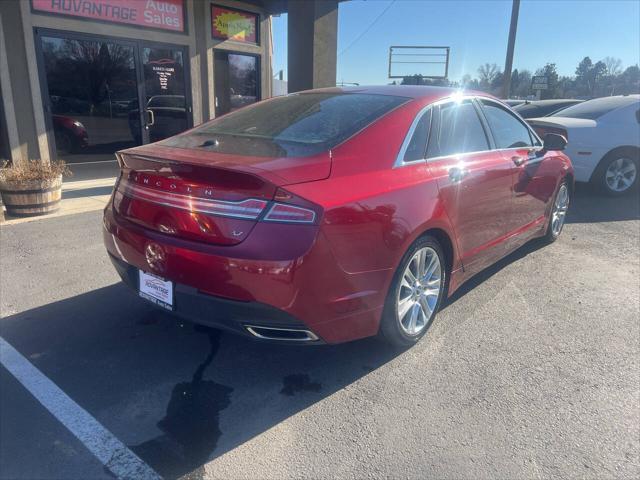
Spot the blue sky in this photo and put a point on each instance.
(561, 32)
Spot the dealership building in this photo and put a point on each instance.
(81, 79)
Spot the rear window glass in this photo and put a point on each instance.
(294, 125)
(596, 108)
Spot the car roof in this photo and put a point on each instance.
(550, 101)
(411, 91)
(615, 101)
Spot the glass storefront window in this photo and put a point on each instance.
(92, 90)
(94, 94)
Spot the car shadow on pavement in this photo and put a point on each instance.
(178, 395)
(588, 206)
(591, 206)
(487, 273)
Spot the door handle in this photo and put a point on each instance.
(456, 174)
(151, 118)
(519, 161)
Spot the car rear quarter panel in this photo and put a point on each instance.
(373, 211)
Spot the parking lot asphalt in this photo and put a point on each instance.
(531, 370)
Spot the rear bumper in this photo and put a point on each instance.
(298, 284)
(234, 316)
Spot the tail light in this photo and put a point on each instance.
(286, 207)
(282, 212)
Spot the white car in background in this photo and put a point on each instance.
(604, 140)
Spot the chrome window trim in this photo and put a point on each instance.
(531, 149)
(407, 139)
(517, 116)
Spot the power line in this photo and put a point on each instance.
(368, 28)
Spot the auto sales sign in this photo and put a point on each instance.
(163, 14)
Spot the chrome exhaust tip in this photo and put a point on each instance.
(286, 334)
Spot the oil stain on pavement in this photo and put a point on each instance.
(191, 424)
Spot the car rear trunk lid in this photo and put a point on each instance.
(204, 196)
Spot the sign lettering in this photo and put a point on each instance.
(163, 14)
(232, 24)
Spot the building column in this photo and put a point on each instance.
(23, 107)
(7, 109)
(312, 44)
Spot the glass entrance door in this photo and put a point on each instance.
(94, 89)
(166, 110)
(236, 79)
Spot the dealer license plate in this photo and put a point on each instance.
(156, 290)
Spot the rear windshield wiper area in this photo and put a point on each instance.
(247, 145)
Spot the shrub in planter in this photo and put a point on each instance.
(32, 188)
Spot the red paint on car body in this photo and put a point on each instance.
(332, 273)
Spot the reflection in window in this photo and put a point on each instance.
(243, 80)
(92, 90)
(508, 131)
(460, 131)
(418, 143)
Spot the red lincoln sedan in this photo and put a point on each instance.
(333, 214)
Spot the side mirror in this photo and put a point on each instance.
(554, 141)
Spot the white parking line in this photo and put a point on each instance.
(110, 451)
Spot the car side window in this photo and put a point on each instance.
(459, 131)
(418, 143)
(508, 131)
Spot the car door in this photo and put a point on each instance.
(534, 172)
(474, 182)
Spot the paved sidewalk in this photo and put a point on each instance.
(77, 197)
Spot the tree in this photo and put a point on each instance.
(584, 81)
(584, 67)
(549, 71)
(603, 78)
(629, 81)
(488, 73)
(613, 65)
(597, 74)
(520, 83)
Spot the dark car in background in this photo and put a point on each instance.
(512, 102)
(544, 108)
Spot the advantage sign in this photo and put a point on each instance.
(163, 14)
(540, 83)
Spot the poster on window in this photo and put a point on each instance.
(232, 24)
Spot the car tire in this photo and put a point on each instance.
(558, 212)
(618, 172)
(409, 309)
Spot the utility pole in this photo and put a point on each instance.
(508, 64)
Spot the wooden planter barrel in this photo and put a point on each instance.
(33, 197)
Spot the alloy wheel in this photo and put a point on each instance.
(560, 207)
(419, 291)
(620, 174)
